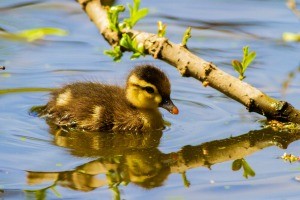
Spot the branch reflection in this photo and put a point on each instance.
(128, 158)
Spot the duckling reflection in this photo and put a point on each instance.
(122, 158)
(89, 144)
(97, 107)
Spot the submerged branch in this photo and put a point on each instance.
(190, 65)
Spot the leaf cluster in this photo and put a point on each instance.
(241, 67)
(113, 17)
(115, 53)
(135, 14)
(132, 45)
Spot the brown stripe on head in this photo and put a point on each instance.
(154, 76)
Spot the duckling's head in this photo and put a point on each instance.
(149, 88)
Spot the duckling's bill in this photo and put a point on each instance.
(169, 106)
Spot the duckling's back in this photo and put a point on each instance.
(87, 105)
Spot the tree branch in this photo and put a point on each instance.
(190, 65)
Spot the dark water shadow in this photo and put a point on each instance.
(123, 158)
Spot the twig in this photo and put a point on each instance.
(190, 65)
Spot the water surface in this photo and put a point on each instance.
(192, 158)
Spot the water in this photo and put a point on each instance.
(211, 131)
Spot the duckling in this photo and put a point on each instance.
(99, 107)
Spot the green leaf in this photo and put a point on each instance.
(247, 57)
(141, 14)
(132, 45)
(135, 14)
(236, 165)
(126, 41)
(136, 4)
(245, 50)
(241, 67)
(115, 53)
(248, 60)
(248, 171)
(245, 54)
(135, 56)
(140, 48)
(237, 65)
(39, 33)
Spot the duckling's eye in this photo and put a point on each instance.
(149, 89)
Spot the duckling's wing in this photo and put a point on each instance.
(84, 105)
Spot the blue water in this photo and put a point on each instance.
(33, 159)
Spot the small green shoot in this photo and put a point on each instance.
(186, 36)
(241, 67)
(161, 29)
(113, 17)
(239, 163)
(132, 45)
(115, 53)
(135, 13)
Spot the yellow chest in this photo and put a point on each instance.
(152, 119)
